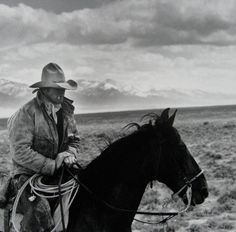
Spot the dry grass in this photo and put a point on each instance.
(211, 138)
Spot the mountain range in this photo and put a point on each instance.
(111, 95)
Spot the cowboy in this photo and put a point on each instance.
(42, 135)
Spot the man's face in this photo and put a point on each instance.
(54, 95)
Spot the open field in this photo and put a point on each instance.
(209, 133)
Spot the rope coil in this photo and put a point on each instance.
(40, 189)
(50, 191)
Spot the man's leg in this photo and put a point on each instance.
(36, 213)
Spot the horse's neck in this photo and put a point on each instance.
(127, 195)
(121, 188)
(95, 215)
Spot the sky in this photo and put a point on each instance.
(155, 44)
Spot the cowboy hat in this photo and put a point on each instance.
(53, 77)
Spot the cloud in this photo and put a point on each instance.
(23, 25)
(141, 23)
(137, 42)
(207, 68)
(187, 22)
(59, 6)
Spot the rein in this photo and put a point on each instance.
(122, 210)
(60, 201)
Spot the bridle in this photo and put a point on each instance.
(188, 183)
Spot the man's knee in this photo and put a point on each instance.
(38, 216)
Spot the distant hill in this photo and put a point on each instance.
(3, 123)
(212, 112)
(110, 95)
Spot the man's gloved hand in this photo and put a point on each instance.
(67, 157)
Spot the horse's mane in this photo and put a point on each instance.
(153, 119)
(114, 161)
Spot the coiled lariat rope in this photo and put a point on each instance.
(50, 191)
(40, 189)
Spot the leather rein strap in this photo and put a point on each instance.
(60, 200)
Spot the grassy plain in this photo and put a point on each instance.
(209, 133)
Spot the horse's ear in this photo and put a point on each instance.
(172, 118)
(165, 115)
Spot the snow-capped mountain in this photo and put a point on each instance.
(12, 96)
(93, 87)
(115, 95)
(15, 89)
(111, 95)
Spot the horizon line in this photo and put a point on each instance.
(145, 109)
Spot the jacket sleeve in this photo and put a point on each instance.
(73, 137)
(72, 132)
(21, 135)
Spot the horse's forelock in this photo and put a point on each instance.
(131, 125)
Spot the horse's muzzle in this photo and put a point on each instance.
(198, 198)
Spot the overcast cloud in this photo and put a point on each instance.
(143, 23)
(160, 44)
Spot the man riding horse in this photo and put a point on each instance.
(42, 135)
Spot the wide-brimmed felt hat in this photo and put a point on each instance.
(53, 77)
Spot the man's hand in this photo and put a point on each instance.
(70, 160)
(67, 157)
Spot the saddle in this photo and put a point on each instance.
(6, 192)
(7, 195)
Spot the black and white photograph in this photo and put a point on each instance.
(117, 116)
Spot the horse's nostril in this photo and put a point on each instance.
(204, 192)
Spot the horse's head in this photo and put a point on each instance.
(176, 166)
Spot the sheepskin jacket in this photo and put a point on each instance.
(34, 137)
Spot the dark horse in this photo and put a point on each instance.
(120, 174)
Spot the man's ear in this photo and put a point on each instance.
(44, 90)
